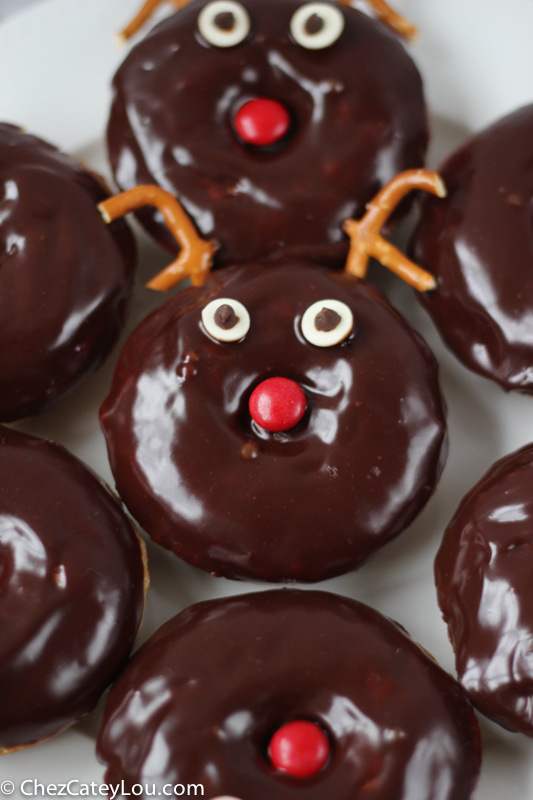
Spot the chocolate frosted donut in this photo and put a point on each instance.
(71, 589)
(65, 277)
(339, 122)
(483, 574)
(478, 243)
(201, 468)
(206, 697)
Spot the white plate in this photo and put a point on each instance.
(56, 62)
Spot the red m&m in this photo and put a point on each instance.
(277, 404)
(300, 748)
(262, 122)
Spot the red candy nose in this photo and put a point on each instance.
(262, 122)
(301, 748)
(277, 404)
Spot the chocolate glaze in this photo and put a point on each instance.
(201, 700)
(312, 502)
(358, 116)
(478, 243)
(65, 277)
(483, 575)
(71, 589)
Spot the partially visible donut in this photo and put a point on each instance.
(72, 587)
(483, 574)
(478, 244)
(65, 277)
(212, 480)
(351, 115)
(204, 698)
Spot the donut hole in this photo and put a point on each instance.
(300, 748)
(264, 149)
(266, 733)
(245, 426)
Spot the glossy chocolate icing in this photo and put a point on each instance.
(358, 116)
(65, 277)
(71, 589)
(483, 574)
(478, 243)
(201, 700)
(304, 505)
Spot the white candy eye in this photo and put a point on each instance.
(317, 25)
(226, 320)
(224, 23)
(327, 323)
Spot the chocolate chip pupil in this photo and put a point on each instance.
(327, 320)
(314, 25)
(225, 317)
(225, 21)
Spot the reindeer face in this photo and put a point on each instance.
(307, 498)
(273, 121)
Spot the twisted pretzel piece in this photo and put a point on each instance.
(196, 255)
(365, 235)
(383, 11)
(144, 15)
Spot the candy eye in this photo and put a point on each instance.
(327, 323)
(224, 23)
(226, 320)
(317, 25)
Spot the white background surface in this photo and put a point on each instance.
(9, 7)
(476, 58)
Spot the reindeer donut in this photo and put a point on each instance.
(272, 120)
(278, 423)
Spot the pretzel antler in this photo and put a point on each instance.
(196, 255)
(365, 235)
(390, 18)
(144, 15)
